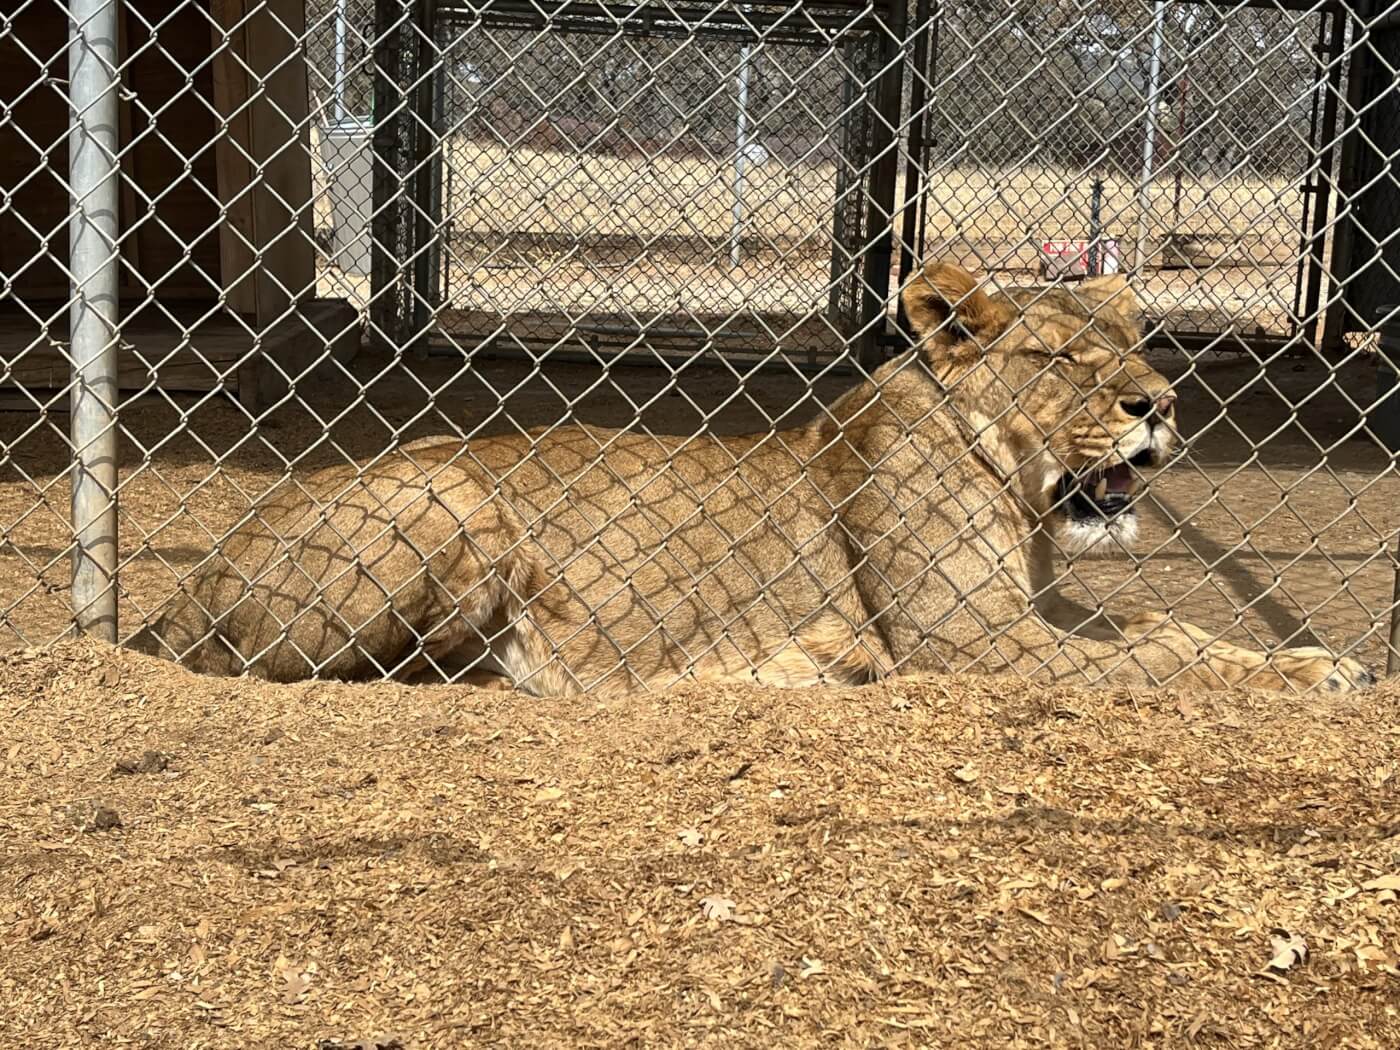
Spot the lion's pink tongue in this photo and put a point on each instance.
(1119, 478)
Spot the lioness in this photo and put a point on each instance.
(911, 526)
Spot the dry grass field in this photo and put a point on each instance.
(585, 195)
(200, 863)
(573, 233)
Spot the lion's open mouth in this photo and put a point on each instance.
(1102, 494)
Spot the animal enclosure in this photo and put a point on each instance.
(357, 225)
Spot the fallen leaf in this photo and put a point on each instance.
(1385, 882)
(965, 773)
(720, 909)
(1038, 916)
(690, 837)
(1289, 950)
(548, 795)
(811, 967)
(296, 985)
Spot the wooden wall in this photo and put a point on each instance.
(271, 126)
(177, 166)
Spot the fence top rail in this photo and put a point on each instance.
(772, 22)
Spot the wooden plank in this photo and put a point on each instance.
(316, 333)
(39, 362)
(260, 87)
(171, 147)
(237, 235)
(48, 369)
(281, 139)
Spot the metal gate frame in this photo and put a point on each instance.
(407, 288)
(1317, 186)
(1366, 251)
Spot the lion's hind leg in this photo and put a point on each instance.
(827, 651)
(483, 625)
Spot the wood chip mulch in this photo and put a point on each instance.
(195, 862)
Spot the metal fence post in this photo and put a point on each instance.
(741, 157)
(92, 247)
(1149, 141)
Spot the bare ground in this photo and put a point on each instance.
(594, 233)
(190, 862)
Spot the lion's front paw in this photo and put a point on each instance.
(1312, 667)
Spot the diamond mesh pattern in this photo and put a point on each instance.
(346, 227)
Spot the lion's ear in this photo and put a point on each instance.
(945, 302)
(1111, 290)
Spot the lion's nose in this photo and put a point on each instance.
(1166, 404)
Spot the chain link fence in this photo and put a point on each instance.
(563, 343)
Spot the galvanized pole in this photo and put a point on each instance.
(1149, 145)
(741, 157)
(339, 61)
(92, 261)
(1183, 89)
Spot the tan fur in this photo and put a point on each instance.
(909, 528)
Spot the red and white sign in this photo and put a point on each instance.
(1071, 258)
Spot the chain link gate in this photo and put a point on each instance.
(264, 238)
(486, 96)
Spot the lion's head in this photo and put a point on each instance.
(1052, 388)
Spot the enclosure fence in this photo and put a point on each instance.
(244, 241)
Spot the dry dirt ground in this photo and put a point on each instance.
(594, 234)
(191, 863)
